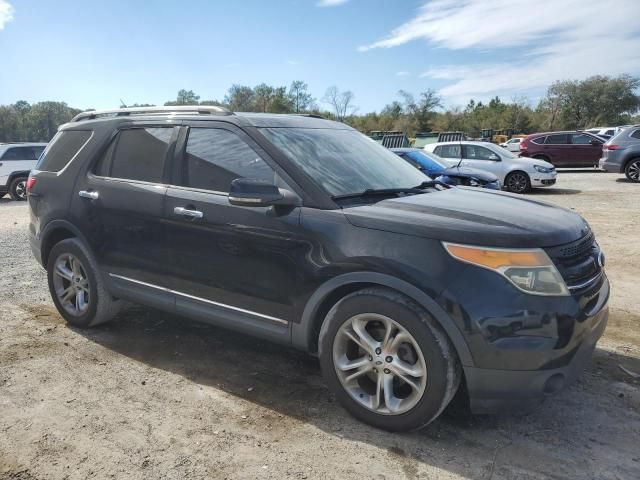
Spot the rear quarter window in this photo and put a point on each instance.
(64, 146)
(636, 134)
(538, 140)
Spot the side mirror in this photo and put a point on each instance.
(595, 142)
(249, 192)
(494, 157)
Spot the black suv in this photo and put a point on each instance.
(303, 231)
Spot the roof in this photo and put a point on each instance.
(405, 149)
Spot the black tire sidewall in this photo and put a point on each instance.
(409, 316)
(628, 167)
(528, 184)
(12, 189)
(72, 246)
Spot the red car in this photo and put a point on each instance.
(563, 149)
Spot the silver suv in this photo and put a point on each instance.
(16, 160)
(621, 154)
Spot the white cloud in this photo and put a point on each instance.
(555, 39)
(6, 13)
(331, 3)
(403, 74)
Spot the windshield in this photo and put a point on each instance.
(431, 162)
(344, 161)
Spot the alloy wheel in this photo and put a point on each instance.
(71, 284)
(517, 182)
(21, 189)
(379, 364)
(633, 171)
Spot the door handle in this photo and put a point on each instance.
(93, 195)
(186, 212)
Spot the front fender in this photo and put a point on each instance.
(302, 333)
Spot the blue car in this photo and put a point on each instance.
(437, 168)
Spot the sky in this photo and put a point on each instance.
(93, 54)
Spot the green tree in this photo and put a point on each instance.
(240, 98)
(185, 97)
(301, 99)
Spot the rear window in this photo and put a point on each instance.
(448, 151)
(64, 146)
(556, 140)
(140, 153)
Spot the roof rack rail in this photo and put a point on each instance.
(121, 112)
(310, 115)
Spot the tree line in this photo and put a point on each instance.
(568, 104)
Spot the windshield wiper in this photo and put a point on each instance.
(373, 192)
(431, 184)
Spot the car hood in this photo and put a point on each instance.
(470, 172)
(473, 216)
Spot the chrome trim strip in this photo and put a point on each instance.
(192, 297)
(585, 284)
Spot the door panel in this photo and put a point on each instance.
(245, 258)
(584, 153)
(122, 218)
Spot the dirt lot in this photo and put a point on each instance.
(155, 396)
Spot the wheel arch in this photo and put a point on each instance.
(17, 173)
(304, 335)
(55, 232)
(627, 162)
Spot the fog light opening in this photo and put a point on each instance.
(554, 384)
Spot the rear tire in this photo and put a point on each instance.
(632, 170)
(18, 188)
(517, 182)
(76, 285)
(406, 370)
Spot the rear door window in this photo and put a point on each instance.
(559, 139)
(19, 153)
(62, 149)
(139, 154)
(449, 151)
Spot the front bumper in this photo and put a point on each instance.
(493, 391)
(543, 179)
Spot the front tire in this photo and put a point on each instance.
(386, 360)
(632, 170)
(517, 182)
(76, 285)
(18, 189)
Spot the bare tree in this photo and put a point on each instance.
(341, 102)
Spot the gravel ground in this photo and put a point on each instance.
(155, 396)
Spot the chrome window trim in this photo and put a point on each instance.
(193, 297)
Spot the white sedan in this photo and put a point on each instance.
(517, 174)
(513, 145)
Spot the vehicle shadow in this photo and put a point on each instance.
(579, 170)
(289, 382)
(553, 191)
(624, 180)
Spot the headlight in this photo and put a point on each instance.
(542, 169)
(529, 270)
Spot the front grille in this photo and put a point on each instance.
(549, 182)
(578, 262)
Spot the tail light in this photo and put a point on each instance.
(524, 144)
(612, 147)
(31, 182)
